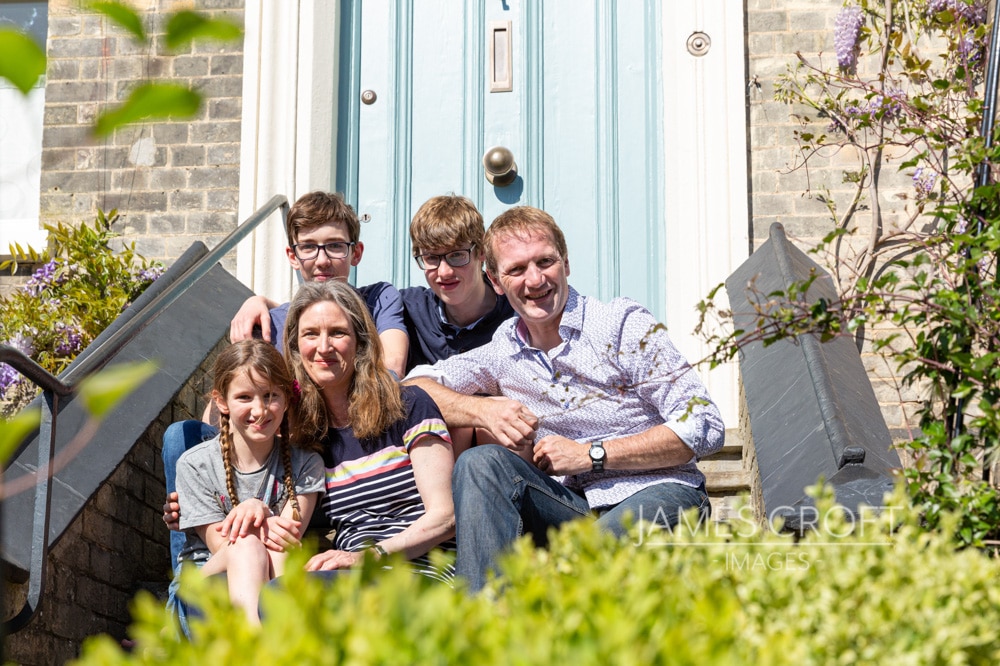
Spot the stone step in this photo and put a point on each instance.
(725, 476)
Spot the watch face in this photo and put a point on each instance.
(597, 452)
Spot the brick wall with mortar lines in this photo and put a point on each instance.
(172, 182)
(780, 192)
(116, 546)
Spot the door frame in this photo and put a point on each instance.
(291, 71)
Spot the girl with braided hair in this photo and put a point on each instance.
(247, 495)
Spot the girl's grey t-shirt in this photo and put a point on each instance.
(201, 488)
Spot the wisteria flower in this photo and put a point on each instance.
(853, 110)
(9, 378)
(846, 30)
(24, 342)
(69, 339)
(42, 278)
(923, 181)
(150, 274)
(973, 12)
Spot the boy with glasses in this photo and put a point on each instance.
(460, 311)
(323, 244)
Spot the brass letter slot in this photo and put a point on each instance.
(501, 76)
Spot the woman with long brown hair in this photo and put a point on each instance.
(386, 449)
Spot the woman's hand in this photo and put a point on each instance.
(283, 533)
(334, 559)
(248, 515)
(172, 512)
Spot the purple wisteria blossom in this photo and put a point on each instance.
(50, 275)
(853, 110)
(973, 12)
(923, 181)
(42, 278)
(846, 29)
(9, 378)
(890, 105)
(70, 339)
(24, 342)
(150, 274)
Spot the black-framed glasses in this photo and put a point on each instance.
(455, 259)
(335, 250)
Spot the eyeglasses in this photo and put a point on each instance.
(309, 251)
(455, 259)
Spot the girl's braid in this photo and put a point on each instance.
(286, 462)
(226, 440)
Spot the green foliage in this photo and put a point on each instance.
(82, 288)
(150, 100)
(16, 430)
(22, 61)
(878, 591)
(103, 392)
(926, 282)
(154, 99)
(124, 16)
(184, 27)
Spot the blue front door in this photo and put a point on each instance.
(572, 88)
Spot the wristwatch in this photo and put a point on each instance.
(597, 456)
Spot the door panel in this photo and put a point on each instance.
(582, 119)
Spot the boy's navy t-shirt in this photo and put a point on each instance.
(433, 338)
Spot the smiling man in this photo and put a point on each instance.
(593, 409)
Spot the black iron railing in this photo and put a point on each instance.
(154, 301)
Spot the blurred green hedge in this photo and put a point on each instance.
(878, 591)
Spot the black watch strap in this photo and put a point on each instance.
(597, 456)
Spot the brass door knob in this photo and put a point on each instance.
(499, 165)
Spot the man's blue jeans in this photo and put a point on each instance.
(499, 496)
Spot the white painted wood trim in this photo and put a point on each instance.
(705, 169)
(289, 119)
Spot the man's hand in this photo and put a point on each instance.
(254, 312)
(512, 424)
(246, 516)
(172, 512)
(333, 559)
(558, 456)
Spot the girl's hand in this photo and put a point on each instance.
(334, 559)
(283, 533)
(246, 516)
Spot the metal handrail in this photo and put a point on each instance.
(55, 388)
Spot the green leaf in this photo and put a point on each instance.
(123, 15)
(186, 26)
(22, 61)
(102, 392)
(17, 430)
(150, 100)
